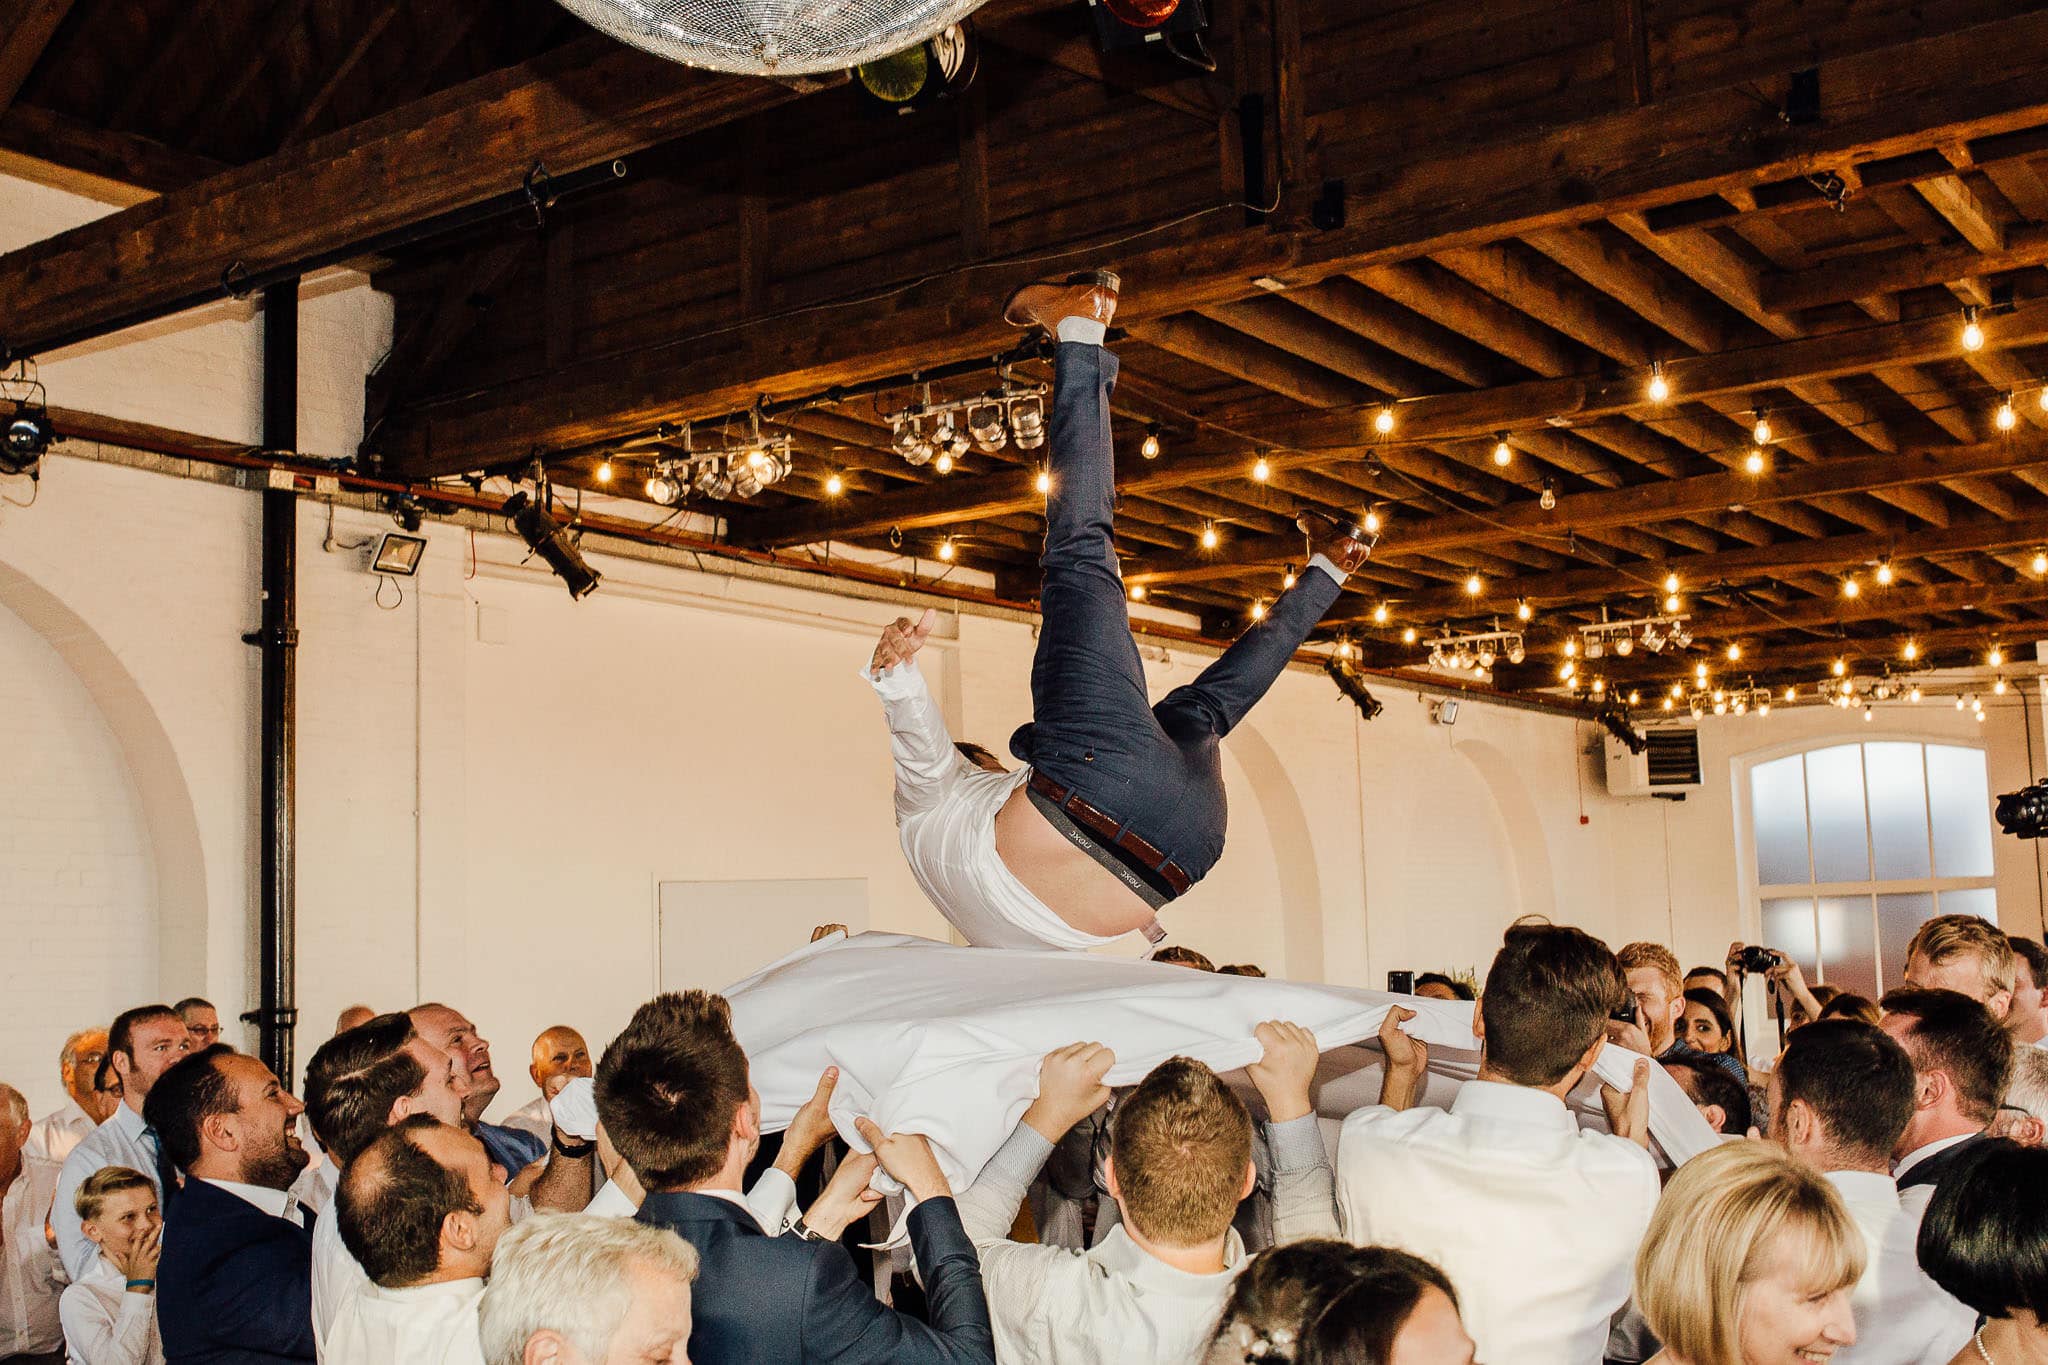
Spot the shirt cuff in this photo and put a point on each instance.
(1297, 1144)
(897, 682)
(773, 1190)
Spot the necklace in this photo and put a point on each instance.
(1979, 1339)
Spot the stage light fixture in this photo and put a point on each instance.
(1681, 638)
(1352, 685)
(1652, 641)
(745, 476)
(1485, 657)
(1517, 651)
(1624, 645)
(1027, 423)
(661, 487)
(29, 434)
(1595, 647)
(905, 81)
(714, 480)
(985, 425)
(545, 537)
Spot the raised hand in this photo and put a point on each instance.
(845, 1197)
(901, 639)
(811, 1126)
(1285, 1071)
(908, 1157)
(1070, 1088)
(1629, 1115)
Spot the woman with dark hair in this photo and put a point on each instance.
(1848, 1005)
(1329, 1303)
(1400, 1310)
(1984, 1239)
(1706, 1025)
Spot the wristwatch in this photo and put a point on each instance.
(575, 1153)
(809, 1233)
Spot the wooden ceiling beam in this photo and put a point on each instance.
(1645, 504)
(28, 33)
(577, 106)
(1966, 84)
(50, 148)
(316, 105)
(1912, 267)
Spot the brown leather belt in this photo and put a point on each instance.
(1111, 832)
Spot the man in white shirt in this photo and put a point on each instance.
(559, 1055)
(1840, 1097)
(2027, 1019)
(2023, 1113)
(56, 1134)
(1535, 1220)
(143, 1043)
(1179, 1165)
(1119, 809)
(421, 1209)
(1962, 1057)
(202, 1021)
(576, 1289)
(29, 1326)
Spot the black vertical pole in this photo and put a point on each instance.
(279, 640)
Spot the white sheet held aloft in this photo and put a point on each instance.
(946, 1041)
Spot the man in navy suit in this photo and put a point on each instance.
(674, 1097)
(234, 1285)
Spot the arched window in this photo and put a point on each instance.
(1856, 845)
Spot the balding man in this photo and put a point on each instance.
(355, 1016)
(54, 1135)
(564, 1184)
(559, 1056)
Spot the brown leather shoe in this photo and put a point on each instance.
(1338, 539)
(1089, 294)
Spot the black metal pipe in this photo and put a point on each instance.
(277, 1012)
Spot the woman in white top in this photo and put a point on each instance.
(109, 1316)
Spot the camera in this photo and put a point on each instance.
(2024, 813)
(1401, 983)
(1624, 1013)
(1759, 960)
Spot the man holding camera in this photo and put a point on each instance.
(1649, 1022)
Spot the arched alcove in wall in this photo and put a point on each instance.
(1531, 871)
(1286, 822)
(170, 842)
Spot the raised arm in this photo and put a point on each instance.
(927, 765)
(1304, 1186)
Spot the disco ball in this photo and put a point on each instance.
(772, 37)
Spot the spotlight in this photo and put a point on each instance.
(1503, 453)
(1486, 656)
(662, 487)
(1595, 647)
(1436, 658)
(744, 474)
(1681, 638)
(1353, 686)
(1516, 650)
(29, 434)
(1659, 388)
(949, 439)
(985, 425)
(399, 557)
(714, 481)
(1383, 421)
(1763, 704)
(1624, 645)
(1652, 641)
(1149, 447)
(545, 537)
(942, 65)
(1027, 423)
(1973, 332)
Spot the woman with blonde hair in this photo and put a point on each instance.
(1749, 1260)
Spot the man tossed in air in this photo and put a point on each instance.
(1120, 808)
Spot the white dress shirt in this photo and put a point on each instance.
(337, 1278)
(611, 1202)
(123, 1140)
(1534, 1220)
(1115, 1304)
(1917, 1198)
(1902, 1317)
(946, 818)
(428, 1324)
(54, 1136)
(106, 1325)
(28, 1272)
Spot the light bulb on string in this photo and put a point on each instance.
(2039, 564)
(1869, 713)
(1667, 703)
(1841, 666)
(1261, 470)
(1503, 453)
(1209, 537)
(1523, 611)
(1547, 499)
(944, 464)
(1380, 614)
(1566, 670)
(1671, 602)
(1761, 432)
(1259, 610)
(1911, 651)
(1371, 523)
(1635, 698)
(1043, 483)
(1734, 653)
(1287, 580)
(1699, 671)
(1671, 583)
(1137, 592)
(1884, 573)
(1959, 701)
(2005, 418)
(1998, 687)
(1474, 585)
(1914, 694)
(604, 470)
(2044, 398)
(1996, 657)
(1791, 694)
(1571, 648)
(1149, 448)
(946, 551)
(1851, 588)
(834, 485)
(1763, 704)
(1973, 331)
(1383, 421)
(1678, 689)
(1755, 461)
(1408, 636)
(1659, 388)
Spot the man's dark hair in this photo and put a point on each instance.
(668, 1086)
(1984, 1238)
(1714, 972)
(1547, 999)
(1177, 956)
(2034, 953)
(393, 1199)
(121, 1034)
(1958, 1035)
(354, 1079)
(1857, 1080)
(1241, 969)
(1457, 988)
(193, 1002)
(1710, 1083)
(194, 1090)
(976, 754)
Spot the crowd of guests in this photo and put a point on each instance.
(1880, 1196)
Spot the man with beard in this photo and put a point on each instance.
(234, 1283)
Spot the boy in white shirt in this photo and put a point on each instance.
(109, 1316)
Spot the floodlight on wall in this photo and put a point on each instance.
(917, 76)
(398, 555)
(545, 537)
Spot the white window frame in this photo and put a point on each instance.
(1756, 893)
